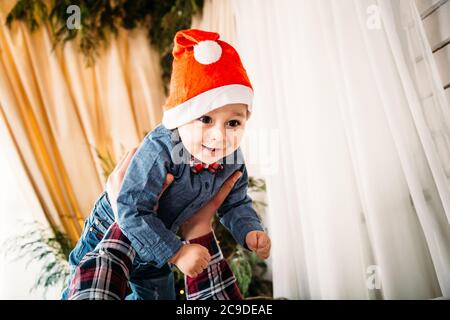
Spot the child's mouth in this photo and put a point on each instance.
(211, 150)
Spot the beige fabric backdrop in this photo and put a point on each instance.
(58, 111)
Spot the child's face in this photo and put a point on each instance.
(216, 134)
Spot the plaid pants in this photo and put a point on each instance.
(103, 274)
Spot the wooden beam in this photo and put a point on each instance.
(432, 9)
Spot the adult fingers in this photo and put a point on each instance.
(169, 179)
(119, 164)
(122, 168)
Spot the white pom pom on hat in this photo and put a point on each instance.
(207, 52)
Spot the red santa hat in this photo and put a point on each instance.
(207, 73)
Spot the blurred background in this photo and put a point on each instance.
(348, 147)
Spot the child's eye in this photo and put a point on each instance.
(234, 123)
(205, 119)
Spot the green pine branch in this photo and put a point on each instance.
(44, 245)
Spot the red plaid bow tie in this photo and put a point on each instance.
(197, 166)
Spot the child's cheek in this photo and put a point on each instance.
(234, 137)
(200, 134)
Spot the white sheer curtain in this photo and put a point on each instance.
(217, 16)
(359, 205)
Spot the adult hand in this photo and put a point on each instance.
(201, 222)
(115, 179)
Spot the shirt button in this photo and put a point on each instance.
(206, 185)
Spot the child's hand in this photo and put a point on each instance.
(259, 242)
(191, 259)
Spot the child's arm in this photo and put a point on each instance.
(237, 213)
(137, 199)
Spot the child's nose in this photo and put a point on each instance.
(217, 134)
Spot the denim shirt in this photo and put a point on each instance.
(153, 233)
